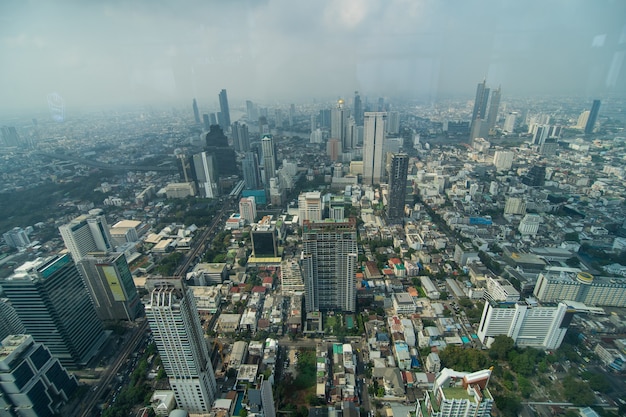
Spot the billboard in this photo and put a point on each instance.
(114, 282)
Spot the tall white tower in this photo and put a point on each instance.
(179, 337)
(269, 159)
(373, 147)
(86, 233)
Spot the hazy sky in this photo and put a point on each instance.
(100, 53)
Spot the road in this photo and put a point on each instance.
(92, 398)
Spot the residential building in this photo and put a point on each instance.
(269, 158)
(179, 337)
(310, 207)
(503, 160)
(16, 238)
(397, 187)
(329, 261)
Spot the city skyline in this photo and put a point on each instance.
(153, 54)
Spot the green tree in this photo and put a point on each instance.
(501, 346)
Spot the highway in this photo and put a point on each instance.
(92, 398)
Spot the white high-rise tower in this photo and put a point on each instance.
(179, 337)
(86, 233)
(373, 147)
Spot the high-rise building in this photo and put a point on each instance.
(87, 233)
(554, 285)
(250, 167)
(358, 109)
(264, 239)
(373, 146)
(593, 117)
(10, 322)
(247, 209)
(480, 102)
(206, 121)
(536, 176)
(196, 112)
(492, 116)
(173, 317)
(224, 155)
(537, 327)
(110, 284)
(241, 138)
(205, 174)
(329, 261)
(224, 116)
(393, 123)
(251, 110)
(269, 158)
(10, 137)
(457, 394)
(509, 122)
(52, 302)
(397, 187)
(16, 238)
(32, 382)
(333, 149)
(503, 160)
(310, 207)
(292, 115)
(338, 121)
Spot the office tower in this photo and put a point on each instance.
(212, 119)
(325, 117)
(333, 149)
(381, 104)
(397, 187)
(250, 167)
(224, 155)
(530, 224)
(373, 146)
(457, 394)
(206, 121)
(224, 115)
(110, 284)
(241, 138)
(593, 117)
(247, 209)
(86, 233)
(205, 173)
(329, 262)
(10, 322)
(10, 136)
(492, 116)
(269, 158)
(338, 121)
(196, 112)
(310, 207)
(292, 115)
(52, 302)
(358, 109)
(537, 327)
(352, 133)
(277, 190)
(264, 239)
(509, 122)
(503, 160)
(16, 238)
(173, 317)
(251, 111)
(514, 205)
(32, 382)
(393, 123)
(536, 176)
(540, 134)
(278, 119)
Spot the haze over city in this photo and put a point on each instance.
(153, 53)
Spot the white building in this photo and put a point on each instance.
(503, 160)
(538, 327)
(515, 205)
(373, 146)
(87, 233)
(310, 207)
(403, 303)
(500, 289)
(530, 224)
(431, 289)
(247, 209)
(179, 337)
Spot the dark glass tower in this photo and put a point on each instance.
(397, 187)
(358, 109)
(50, 298)
(224, 111)
(196, 112)
(593, 116)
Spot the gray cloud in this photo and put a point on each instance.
(165, 52)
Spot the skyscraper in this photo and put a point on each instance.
(250, 167)
(269, 158)
(52, 302)
(479, 127)
(373, 146)
(224, 116)
(358, 109)
(179, 337)
(492, 116)
(310, 207)
(329, 261)
(338, 121)
(224, 155)
(206, 175)
(10, 322)
(32, 382)
(247, 209)
(196, 112)
(111, 286)
(397, 187)
(593, 116)
(241, 138)
(86, 233)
